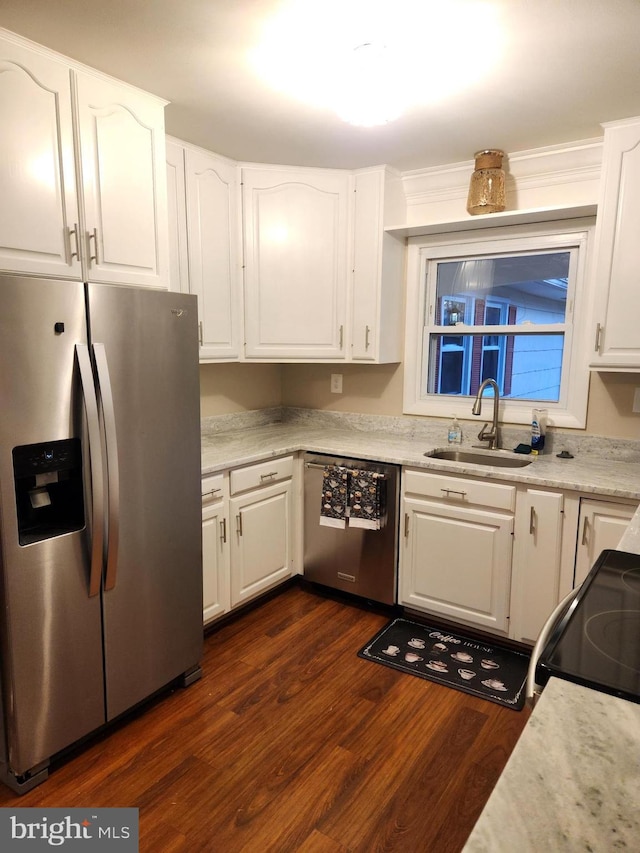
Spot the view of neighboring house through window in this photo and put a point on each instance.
(514, 306)
(496, 311)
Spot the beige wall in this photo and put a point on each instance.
(228, 388)
(377, 389)
(610, 403)
(366, 389)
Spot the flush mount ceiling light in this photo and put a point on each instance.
(371, 60)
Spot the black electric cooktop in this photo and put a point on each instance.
(597, 641)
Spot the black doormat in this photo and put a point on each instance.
(453, 660)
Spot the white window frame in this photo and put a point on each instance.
(571, 409)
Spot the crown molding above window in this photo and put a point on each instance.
(557, 178)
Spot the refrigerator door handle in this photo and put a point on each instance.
(97, 474)
(113, 478)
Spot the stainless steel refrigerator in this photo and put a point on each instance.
(100, 510)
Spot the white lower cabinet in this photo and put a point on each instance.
(460, 561)
(247, 533)
(537, 559)
(216, 595)
(260, 541)
(601, 525)
(455, 558)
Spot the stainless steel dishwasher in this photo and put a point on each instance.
(362, 562)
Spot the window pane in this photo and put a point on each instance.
(509, 290)
(526, 367)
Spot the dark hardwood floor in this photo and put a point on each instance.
(290, 742)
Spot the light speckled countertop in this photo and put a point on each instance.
(606, 469)
(572, 782)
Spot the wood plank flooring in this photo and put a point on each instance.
(290, 742)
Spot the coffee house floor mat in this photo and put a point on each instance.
(453, 660)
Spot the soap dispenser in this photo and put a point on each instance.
(454, 435)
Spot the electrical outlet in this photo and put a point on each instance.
(636, 401)
(336, 383)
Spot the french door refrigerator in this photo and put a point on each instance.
(100, 510)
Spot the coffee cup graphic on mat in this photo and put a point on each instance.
(487, 663)
(412, 657)
(391, 650)
(467, 674)
(462, 656)
(417, 643)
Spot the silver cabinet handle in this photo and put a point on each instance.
(406, 524)
(533, 521)
(585, 530)
(223, 528)
(449, 492)
(239, 524)
(92, 235)
(367, 332)
(598, 337)
(73, 232)
(211, 492)
(200, 333)
(97, 474)
(268, 476)
(113, 475)
(341, 336)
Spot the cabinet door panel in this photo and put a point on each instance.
(616, 248)
(261, 541)
(124, 183)
(37, 175)
(295, 263)
(214, 256)
(177, 215)
(215, 564)
(457, 563)
(536, 561)
(601, 526)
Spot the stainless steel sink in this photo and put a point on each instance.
(493, 458)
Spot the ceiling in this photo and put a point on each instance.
(548, 72)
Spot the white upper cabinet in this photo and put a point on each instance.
(296, 262)
(617, 332)
(205, 255)
(215, 261)
(39, 208)
(122, 151)
(93, 210)
(177, 215)
(378, 268)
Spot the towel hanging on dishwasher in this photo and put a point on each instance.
(333, 509)
(367, 499)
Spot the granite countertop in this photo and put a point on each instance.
(601, 468)
(605, 476)
(573, 780)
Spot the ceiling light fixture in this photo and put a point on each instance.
(370, 61)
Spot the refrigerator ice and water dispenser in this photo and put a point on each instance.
(49, 491)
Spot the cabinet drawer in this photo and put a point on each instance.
(262, 474)
(445, 487)
(212, 487)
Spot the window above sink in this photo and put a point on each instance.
(511, 307)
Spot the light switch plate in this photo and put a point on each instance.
(636, 401)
